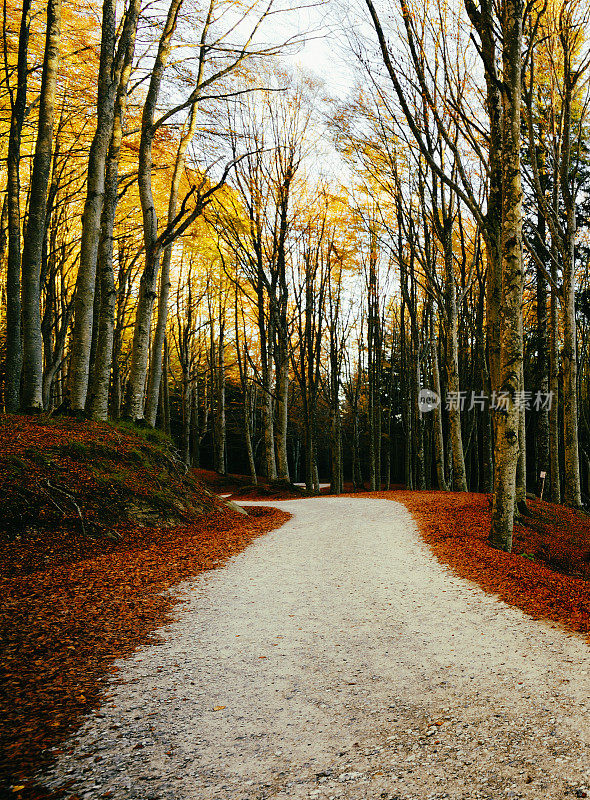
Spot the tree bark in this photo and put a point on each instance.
(14, 352)
(452, 367)
(571, 485)
(220, 465)
(439, 450)
(147, 288)
(282, 391)
(32, 398)
(507, 420)
(160, 332)
(99, 389)
(554, 473)
(84, 310)
(542, 426)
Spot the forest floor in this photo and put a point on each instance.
(97, 522)
(83, 584)
(336, 659)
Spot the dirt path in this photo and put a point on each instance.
(335, 658)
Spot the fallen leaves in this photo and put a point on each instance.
(553, 584)
(70, 605)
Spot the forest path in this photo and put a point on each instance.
(335, 658)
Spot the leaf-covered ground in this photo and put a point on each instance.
(240, 487)
(547, 575)
(75, 599)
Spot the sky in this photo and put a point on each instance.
(325, 51)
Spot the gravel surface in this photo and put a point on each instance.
(335, 658)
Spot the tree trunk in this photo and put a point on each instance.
(282, 390)
(160, 332)
(220, 465)
(166, 397)
(452, 367)
(187, 406)
(357, 476)
(507, 420)
(99, 389)
(195, 425)
(521, 505)
(418, 426)
(439, 450)
(554, 476)
(86, 281)
(248, 437)
(147, 287)
(310, 470)
(32, 399)
(571, 483)
(14, 352)
(542, 426)
(247, 405)
(268, 437)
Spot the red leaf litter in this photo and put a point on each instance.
(547, 575)
(71, 603)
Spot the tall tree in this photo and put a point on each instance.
(111, 64)
(507, 415)
(18, 104)
(32, 397)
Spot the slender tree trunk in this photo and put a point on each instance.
(406, 405)
(377, 410)
(99, 389)
(335, 452)
(187, 406)
(336, 482)
(148, 282)
(542, 426)
(282, 389)
(371, 360)
(452, 366)
(247, 405)
(357, 476)
(160, 332)
(418, 425)
(4, 227)
(166, 397)
(14, 352)
(248, 437)
(554, 476)
(310, 471)
(267, 402)
(32, 399)
(439, 450)
(521, 505)
(220, 465)
(86, 281)
(571, 484)
(371, 408)
(507, 420)
(195, 424)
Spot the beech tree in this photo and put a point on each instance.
(32, 398)
(109, 76)
(18, 103)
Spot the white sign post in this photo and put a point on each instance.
(542, 475)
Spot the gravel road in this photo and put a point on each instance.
(335, 658)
